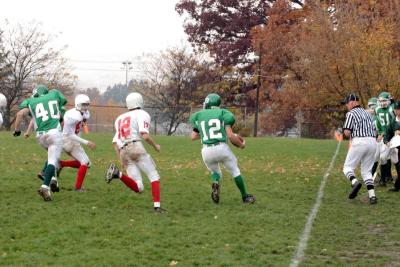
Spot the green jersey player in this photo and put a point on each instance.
(384, 114)
(44, 107)
(213, 125)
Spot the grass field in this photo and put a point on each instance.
(111, 226)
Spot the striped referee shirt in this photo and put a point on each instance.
(360, 123)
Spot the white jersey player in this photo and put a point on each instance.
(74, 120)
(3, 103)
(130, 128)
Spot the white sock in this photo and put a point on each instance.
(354, 181)
(157, 204)
(371, 193)
(45, 186)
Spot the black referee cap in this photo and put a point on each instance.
(349, 97)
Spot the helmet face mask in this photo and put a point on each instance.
(384, 99)
(82, 102)
(212, 101)
(134, 101)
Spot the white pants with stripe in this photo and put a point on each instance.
(135, 159)
(361, 152)
(214, 155)
(51, 141)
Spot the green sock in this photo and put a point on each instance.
(240, 184)
(45, 166)
(48, 174)
(215, 177)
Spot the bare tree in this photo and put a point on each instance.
(169, 85)
(31, 59)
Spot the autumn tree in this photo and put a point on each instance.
(223, 27)
(31, 59)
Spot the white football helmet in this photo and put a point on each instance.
(81, 99)
(3, 101)
(134, 100)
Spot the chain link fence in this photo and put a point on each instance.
(293, 123)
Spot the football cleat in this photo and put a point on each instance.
(40, 175)
(249, 199)
(54, 185)
(373, 200)
(355, 188)
(159, 210)
(112, 173)
(215, 192)
(45, 193)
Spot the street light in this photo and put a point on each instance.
(127, 67)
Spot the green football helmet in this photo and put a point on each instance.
(372, 102)
(384, 99)
(40, 90)
(211, 101)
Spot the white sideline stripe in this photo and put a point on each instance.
(301, 247)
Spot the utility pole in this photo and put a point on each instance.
(127, 67)
(257, 91)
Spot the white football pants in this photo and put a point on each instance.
(214, 155)
(387, 153)
(362, 151)
(75, 150)
(51, 141)
(135, 159)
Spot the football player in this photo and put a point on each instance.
(372, 106)
(72, 142)
(44, 107)
(3, 103)
(392, 130)
(213, 125)
(130, 128)
(384, 114)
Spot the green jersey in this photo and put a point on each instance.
(384, 116)
(210, 123)
(45, 110)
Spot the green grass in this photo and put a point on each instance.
(109, 225)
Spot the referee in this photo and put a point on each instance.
(359, 126)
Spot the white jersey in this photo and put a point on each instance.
(129, 125)
(73, 123)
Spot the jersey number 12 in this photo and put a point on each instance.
(214, 129)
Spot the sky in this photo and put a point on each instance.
(101, 34)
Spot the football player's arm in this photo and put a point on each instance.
(69, 132)
(233, 137)
(30, 128)
(195, 134)
(20, 115)
(150, 141)
(348, 124)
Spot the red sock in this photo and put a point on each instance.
(129, 182)
(70, 163)
(80, 176)
(155, 191)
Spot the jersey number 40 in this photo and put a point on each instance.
(43, 114)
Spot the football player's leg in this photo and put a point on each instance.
(231, 164)
(211, 157)
(376, 161)
(353, 158)
(147, 165)
(385, 166)
(134, 179)
(78, 153)
(366, 165)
